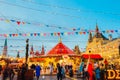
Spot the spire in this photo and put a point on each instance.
(97, 30)
(5, 48)
(60, 40)
(90, 37)
(18, 55)
(32, 50)
(97, 33)
(43, 50)
(77, 50)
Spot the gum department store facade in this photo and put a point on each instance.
(108, 48)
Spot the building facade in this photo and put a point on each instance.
(108, 48)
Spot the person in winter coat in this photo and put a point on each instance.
(70, 72)
(102, 72)
(90, 71)
(51, 68)
(38, 69)
(11, 73)
(23, 71)
(5, 73)
(0, 69)
(85, 73)
(97, 73)
(63, 72)
(59, 70)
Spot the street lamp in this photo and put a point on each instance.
(27, 48)
(119, 48)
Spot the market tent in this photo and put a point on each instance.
(92, 56)
(60, 49)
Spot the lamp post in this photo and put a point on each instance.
(27, 48)
(119, 48)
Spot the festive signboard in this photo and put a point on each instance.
(113, 74)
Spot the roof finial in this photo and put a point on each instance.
(60, 40)
(97, 30)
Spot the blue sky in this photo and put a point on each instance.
(69, 14)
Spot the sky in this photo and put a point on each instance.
(55, 16)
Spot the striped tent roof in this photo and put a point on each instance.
(60, 49)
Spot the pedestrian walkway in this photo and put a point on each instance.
(55, 78)
(48, 77)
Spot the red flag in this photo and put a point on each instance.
(18, 22)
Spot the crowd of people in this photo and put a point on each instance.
(95, 70)
(87, 70)
(8, 72)
(61, 70)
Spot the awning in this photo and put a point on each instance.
(92, 56)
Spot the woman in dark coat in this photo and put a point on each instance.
(59, 72)
(23, 71)
(102, 72)
(11, 73)
(5, 73)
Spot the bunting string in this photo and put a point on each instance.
(19, 22)
(56, 33)
(83, 31)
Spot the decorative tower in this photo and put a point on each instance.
(97, 33)
(32, 51)
(90, 37)
(97, 30)
(18, 55)
(43, 50)
(77, 50)
(5, 49)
